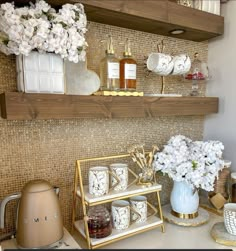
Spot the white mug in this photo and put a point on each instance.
(139, 203)
(120, 210)
(160, 63)
(230, 218)
(182, 64)
(121, 171)
(99, 180)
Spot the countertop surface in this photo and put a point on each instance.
(67, 242)
(175, 237)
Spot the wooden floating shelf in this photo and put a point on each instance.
(154, 16)
(26, 106)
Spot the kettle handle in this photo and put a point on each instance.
(56, 190)
(3, 204)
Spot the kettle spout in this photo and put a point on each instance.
(3, 204)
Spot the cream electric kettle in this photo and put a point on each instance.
(39, 221)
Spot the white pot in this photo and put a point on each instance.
(40, 73)
(182, 199)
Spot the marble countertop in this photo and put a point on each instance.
(67, 242)
(175, 237)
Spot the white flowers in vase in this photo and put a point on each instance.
(39, 27)
(196, 162)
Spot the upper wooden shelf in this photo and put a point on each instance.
(154, 16)
(25, 106)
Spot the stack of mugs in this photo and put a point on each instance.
(164, 64)
(123, 212)
(103, 179)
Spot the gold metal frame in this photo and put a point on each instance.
(78, 180)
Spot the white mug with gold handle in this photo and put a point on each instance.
(121, 211)
(121, 171)
(99, 180)
(140, 204)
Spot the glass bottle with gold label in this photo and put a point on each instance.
(110, 69)
(128, 69)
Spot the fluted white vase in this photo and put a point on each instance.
(40, 73)
(183, 199)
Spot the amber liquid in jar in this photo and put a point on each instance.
(99, 222)
(128, 74)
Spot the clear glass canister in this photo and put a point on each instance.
(99, 222)
(199, 69)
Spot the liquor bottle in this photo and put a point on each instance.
(128, 69)
(110, 69)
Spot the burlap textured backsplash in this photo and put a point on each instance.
(48, 149)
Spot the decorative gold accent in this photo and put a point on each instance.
(135, 175)
(78, 179)
(144, 161)
(116, 178)
(118, 93)
(162, 85)
(184, 216)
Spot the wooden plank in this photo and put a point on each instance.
(195, 19)
(25, 106)
(158, 17)
(154, 16)
(3, 106)
(171, 106)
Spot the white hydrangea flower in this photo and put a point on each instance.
(40, 27)
(196, 162)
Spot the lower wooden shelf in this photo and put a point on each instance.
(134, 228)
(28, 106)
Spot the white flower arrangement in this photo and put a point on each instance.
(39, 27)
(196, 162)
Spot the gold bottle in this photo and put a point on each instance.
(128, 69)
(110, 69)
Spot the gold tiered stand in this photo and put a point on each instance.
(87, 200)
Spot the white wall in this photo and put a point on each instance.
(222, 63)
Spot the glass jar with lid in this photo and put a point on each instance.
(99, 222)
(199, 72)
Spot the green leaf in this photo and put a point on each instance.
(194, 164)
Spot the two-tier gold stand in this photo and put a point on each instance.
(87, 200)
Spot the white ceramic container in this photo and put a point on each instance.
(40, 73)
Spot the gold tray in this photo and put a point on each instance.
(118, 93)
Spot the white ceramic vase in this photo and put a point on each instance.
(40, 73)
(183, 199)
